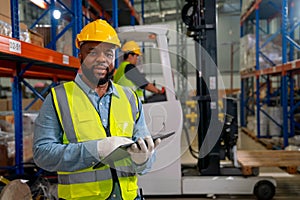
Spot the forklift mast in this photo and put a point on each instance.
(200, 18)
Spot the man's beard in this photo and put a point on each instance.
(108, 76)
(93, 79)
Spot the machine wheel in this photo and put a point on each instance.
(264, 190)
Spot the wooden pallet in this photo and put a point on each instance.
(250, 160)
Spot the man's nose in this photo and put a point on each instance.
(101, 56)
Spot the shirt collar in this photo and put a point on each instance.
(111, 90)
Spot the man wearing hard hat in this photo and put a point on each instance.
(127, 73)
(83, 121)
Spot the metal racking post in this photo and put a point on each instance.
(257, 67)
(17, 93)
(284, 82)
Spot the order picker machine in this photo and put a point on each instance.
(216, 139)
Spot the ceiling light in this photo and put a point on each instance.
(56, 14)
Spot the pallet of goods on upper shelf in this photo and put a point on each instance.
(6, 29)
(270, 52)
(26, 35)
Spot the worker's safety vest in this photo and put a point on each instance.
(81, 122)
(121, 79)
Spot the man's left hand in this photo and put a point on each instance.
(143, 150)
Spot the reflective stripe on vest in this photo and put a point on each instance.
(121, 79)
(73, 106)
(91, 176)
(65, 113)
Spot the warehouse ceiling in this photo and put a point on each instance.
(147, 11)
(169, 10)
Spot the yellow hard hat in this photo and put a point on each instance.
(133, 47)
(99, 31)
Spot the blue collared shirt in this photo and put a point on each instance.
(52, 155)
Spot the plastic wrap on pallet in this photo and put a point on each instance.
(272, 51)
(263, 122)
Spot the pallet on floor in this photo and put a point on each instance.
(250, 160)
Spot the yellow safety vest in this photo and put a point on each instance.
(121, 79)
(81, 122)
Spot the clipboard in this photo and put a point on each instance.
(121, 152)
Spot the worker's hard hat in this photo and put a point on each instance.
(99, 31)
(132, 46)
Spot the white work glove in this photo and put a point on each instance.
(107, 145)
(141, 153)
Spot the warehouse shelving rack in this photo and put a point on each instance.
(286, 71)
(22, 60)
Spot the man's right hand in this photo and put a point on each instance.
(107, 145)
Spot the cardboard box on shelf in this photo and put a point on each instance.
(36, 38)
(3, 105)
(5, 7)
(8, 118)
(36, 106)
(25, 102)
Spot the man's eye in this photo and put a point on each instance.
(92, 54)
(109, 55)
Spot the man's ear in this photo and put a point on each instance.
(80, 55)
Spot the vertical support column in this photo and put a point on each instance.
(291, 77)
(132, 18)
(291, 114)
(143, 11)
(268, 90)
(17, 107)
(17, 94)
(115, 25)
(53, 25)
(284, 83)
(243, 80)
(77, 26)
(292, 33)
(242, 103)
(115, 13)
(257, 68)
(14, 9)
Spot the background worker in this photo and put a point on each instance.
(127, 73)
(83, 121)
